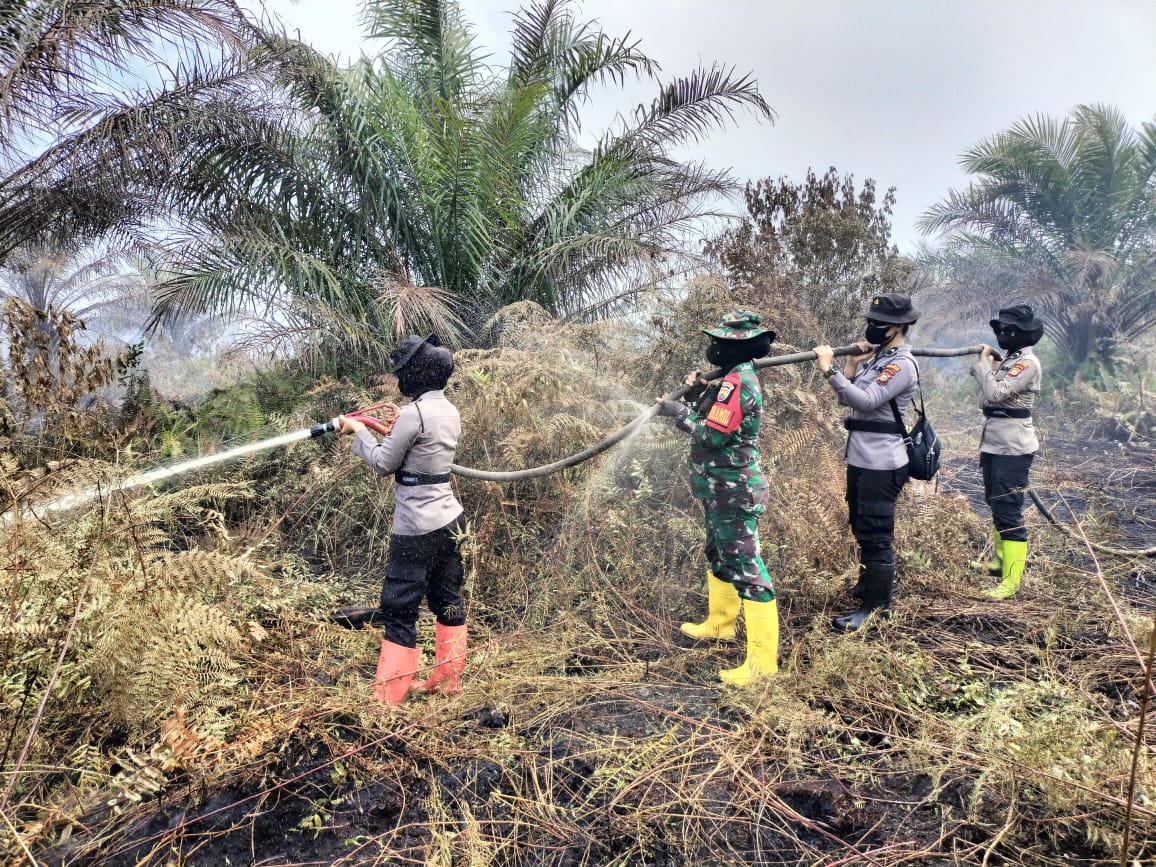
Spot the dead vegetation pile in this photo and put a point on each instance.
(173, 694)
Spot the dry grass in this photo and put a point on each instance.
(183, 700)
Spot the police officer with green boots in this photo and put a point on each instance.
(1008, 389)
(723, 422)
(872, 384)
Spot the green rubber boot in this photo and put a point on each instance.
(1015, 558)
(993, 567)
(723, 605)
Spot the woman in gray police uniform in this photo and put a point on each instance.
(876, 455)
(427, 519)
(1008, 389)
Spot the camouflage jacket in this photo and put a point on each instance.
(724, 455)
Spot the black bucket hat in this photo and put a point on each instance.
(408, 348)
(1019, 316)
(891, 307)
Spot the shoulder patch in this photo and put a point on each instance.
(1018, 368)
(727, 413)
(888, 373)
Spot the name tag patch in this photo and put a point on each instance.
(727, 414)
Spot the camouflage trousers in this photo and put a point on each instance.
(732, 547)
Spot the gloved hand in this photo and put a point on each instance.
(697, 386)
(672, 409)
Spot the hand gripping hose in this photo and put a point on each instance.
(772, 361)
(334, 425)
(631, 427)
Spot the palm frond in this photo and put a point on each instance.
(429, 36)
(690, 108)
(411, 309)
(53, 46)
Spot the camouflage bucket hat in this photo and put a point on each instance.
(738, 325)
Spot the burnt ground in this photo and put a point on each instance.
(348, 794)
(1108, 483)
(302, 813)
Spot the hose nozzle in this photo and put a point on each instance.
(331, 426)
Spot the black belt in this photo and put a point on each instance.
(413, 480)
(867, 426)
(1006, 412)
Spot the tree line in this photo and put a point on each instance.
(423, 186)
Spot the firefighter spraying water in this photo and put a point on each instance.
(721, 409)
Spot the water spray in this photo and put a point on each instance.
(161, 474)
(384, 427)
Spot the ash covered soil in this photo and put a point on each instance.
(636, 756)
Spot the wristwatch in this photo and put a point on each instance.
(830, 371)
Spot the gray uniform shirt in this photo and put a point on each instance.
(1014, 384)
(889, 375)
(424, 440)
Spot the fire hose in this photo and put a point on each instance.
(632, 426)
(650, 412)
(384, 426)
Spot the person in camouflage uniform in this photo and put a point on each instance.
(723, 421)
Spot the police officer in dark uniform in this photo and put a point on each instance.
(875, 385)
(423, 552)
(1008, 389)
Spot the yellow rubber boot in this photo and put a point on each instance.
(1015, 558)
(993, 566)
(723, 605)
(762, 645)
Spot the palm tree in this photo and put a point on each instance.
(94, 286)
(1072, 205)
(298, 184)
(80, 83)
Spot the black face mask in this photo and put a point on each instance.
(1011, 339)
(877, 332)
(730, 353)
(406, 384)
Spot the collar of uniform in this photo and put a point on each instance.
(1015, 354)
(433, 392)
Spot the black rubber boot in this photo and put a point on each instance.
(859, 591)
(355, 616)
(876, 582)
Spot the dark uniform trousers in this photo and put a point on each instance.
(1005, 477)
(871, 497)
(427, 565)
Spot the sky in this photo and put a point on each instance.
(894, 90)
